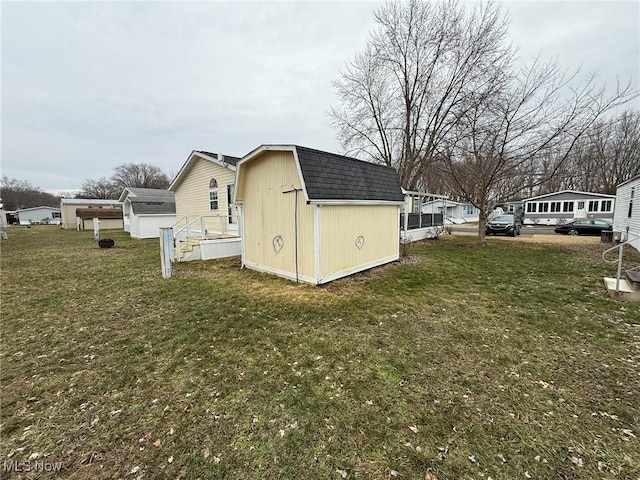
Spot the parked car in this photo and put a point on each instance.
(583, 227)
(504, 225)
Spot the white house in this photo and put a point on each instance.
(626, 217)
(44, 214)
(145, 210)
(454, 212)
(553, 208)
(207, 222)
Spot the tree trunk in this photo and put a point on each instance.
(482, 225)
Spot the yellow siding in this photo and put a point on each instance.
(68, 213)
(269, 213)
(341, 225)
(192, 194)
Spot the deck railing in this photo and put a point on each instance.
(620, 248)
(202, 226)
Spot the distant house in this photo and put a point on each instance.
(626, 217)
(75, 215)
(145, 210)
(514, 206)
(45, 214)
(565, 205)
(314, 216)
(454, 212)
(204, 188)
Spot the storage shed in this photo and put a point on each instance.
(145, 210)
(314, 216)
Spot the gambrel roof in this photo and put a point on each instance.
(331, 178)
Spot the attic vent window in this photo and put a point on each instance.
(213, 194)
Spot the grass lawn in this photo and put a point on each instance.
(507, 361)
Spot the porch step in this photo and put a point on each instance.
(633, 277)
(627, 291)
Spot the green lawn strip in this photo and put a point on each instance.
(463, 362)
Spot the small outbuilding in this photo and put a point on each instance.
(145, 210)
(71, 208)
(314, 216)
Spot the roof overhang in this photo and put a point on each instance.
(637, 177)
(193, 157)
(354, 202)
(123, 196)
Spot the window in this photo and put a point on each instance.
(605, 205)
(581, 205)
(567, 207)
(555, 206)
(213, 194)
(469, 210)
(593, 205)
(631, 202)
(56, 215)
(543, 207)
(531, 207)
(416, 205)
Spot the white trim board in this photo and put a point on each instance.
(186, 164)
(279, 273)
(359, 268)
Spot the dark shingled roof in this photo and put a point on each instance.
(103, 213)
(147, 207)
(225, 158)
(328, 176)
(155, 193)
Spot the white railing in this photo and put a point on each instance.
(203, 225)
(620, 248)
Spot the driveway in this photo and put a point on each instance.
(538, 234)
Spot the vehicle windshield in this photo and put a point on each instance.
(503, 218)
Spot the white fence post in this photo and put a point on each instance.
(96, 229)
(166, 250)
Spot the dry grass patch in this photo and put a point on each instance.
(506, 361)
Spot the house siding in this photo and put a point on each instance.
(269, 213)
(68, 211)
(37, 215)
(550, 217)
(341, 225)
(192, 194)
(621, 220)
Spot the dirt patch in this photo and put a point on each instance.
(562, 239)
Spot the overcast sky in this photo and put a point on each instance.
(88, 86)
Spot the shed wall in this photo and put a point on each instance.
(148, 226)
(192, 194)
(621, 220)
(268, 213)
(105, 223)
(341, 225)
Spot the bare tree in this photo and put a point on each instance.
(17, 194)
(521, 136)
(102, 188)
(140, 175)
(404, 93)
